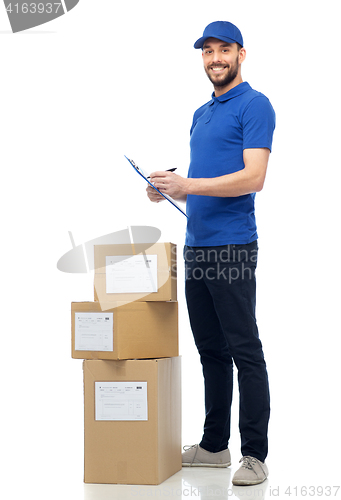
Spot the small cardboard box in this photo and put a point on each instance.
(132, 420)
(127, 331)
(129, 273)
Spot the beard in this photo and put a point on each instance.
(222, 81)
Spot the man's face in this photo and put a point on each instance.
(221, 61)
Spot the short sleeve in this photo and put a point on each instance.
(258, 123)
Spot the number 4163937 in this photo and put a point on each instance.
(33, 8)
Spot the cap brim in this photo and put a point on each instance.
(200, 43)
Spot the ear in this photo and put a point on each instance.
(242, 55)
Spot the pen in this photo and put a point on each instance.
(169, 170)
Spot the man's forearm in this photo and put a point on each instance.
(230, 185)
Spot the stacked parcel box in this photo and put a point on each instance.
(128, 338)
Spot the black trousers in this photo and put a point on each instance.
(221, 300)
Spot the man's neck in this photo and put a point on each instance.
(218, 91)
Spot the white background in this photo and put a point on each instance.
(121, 77)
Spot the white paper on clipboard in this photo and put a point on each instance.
(145, 176)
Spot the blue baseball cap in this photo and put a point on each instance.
(223, 30)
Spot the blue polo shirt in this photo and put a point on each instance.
(241, 118)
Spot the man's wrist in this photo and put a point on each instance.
(189, 186)
(195, 186)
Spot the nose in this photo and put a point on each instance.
(216, 56)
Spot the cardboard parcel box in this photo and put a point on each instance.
(132, 420)
(128, 331)
(129, 273)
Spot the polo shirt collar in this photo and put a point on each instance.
(235, 92)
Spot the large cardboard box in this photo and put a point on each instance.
(129, 273)
(127, 331)
(132, 420)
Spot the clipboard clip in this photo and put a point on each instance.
(137, 168)
(133, 163)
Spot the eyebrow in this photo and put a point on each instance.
(224, 44)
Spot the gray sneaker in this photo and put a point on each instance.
(195, 456)
(252, 471)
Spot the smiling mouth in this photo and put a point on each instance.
(217, 69)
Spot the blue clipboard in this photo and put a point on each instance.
(145, 177)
